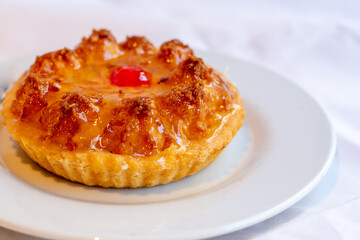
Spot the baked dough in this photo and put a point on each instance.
(74, 115)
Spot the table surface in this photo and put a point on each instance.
(315, 44)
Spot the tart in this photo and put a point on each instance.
(122, 115)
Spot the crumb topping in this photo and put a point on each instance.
(173, 52)
(138, 44)
(63, 118)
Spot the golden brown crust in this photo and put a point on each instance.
(69, 118)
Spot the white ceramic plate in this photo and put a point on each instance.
(278, 156)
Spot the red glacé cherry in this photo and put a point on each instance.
(127, 76)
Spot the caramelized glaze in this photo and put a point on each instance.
(67, 99)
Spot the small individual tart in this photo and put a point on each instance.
(122, 115)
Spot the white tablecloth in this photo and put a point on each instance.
(314, 43)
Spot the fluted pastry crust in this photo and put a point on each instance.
(71, 120)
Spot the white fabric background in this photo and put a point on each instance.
(314, 43)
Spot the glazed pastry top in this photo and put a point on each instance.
(124, 98)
